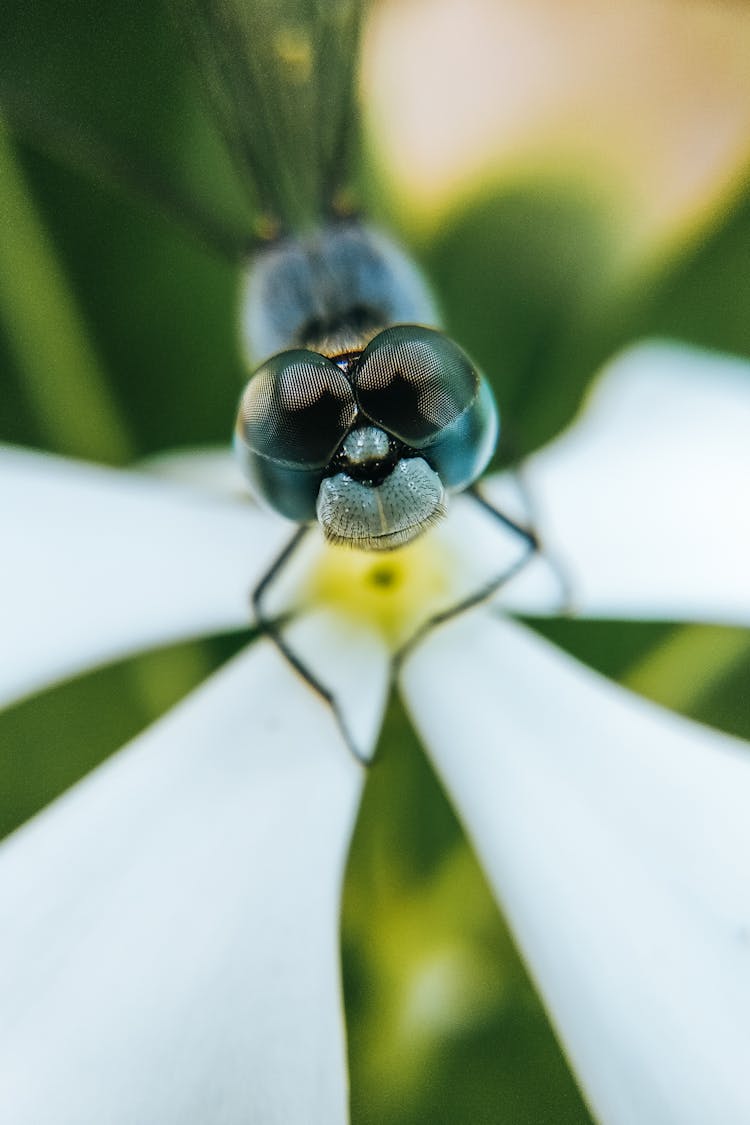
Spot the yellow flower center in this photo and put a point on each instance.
(393, 591)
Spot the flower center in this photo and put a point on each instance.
(393, 591)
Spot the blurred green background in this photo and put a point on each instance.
(118, 340)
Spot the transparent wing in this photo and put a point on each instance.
(77, 145)
(276, 137)
(280, 78)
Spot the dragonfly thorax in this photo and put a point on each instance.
(330, 290)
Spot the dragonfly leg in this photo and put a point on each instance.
(272, 628)
(531, 548)
(566, 607)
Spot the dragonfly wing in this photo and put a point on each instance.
(280, 79)
(121, 165)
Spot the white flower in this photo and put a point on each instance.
(169, 928)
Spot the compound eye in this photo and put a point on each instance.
(414, 382)
(296, 410)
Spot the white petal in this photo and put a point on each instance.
(355, 668)
(643, 499)
(211, 469)
(169, 939)
(97, 564)
(617, 838)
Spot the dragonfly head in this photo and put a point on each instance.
(368, 443)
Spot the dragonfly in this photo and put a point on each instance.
(360, 415)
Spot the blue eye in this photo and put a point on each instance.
(418, 385)
(414, 381)
(294, 413)
(297, 409)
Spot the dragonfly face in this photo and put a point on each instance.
(368, 430)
